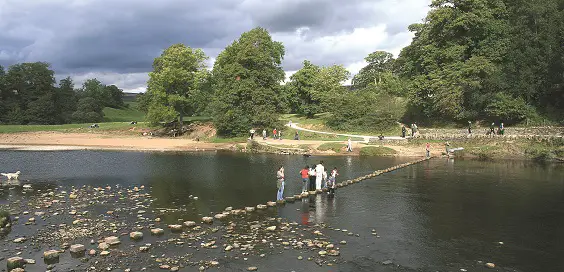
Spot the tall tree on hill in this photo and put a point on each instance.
(178, 78)
(247, 77)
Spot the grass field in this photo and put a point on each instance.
(126, 114)
(68, 127)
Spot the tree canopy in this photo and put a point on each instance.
(247, 77)
(176, 86)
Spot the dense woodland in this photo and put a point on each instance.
(470, 60)
(29, 95)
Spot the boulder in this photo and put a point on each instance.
(261, 207)
(77, 249)
(290, 199)
(271, 204)
(112, 240)
(175, 228)
(104, 253)
(220, 216)
(490, 265)
(250, 209)
(281, 202)
(51, 256)
(271, 228)
(136, 235)
(17, 270)
(103, 246)
(189, 224)
(157, 231)
(207, 219)
(15, 262)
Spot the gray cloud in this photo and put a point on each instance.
(118, 39)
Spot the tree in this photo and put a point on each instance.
(453, 63)
(65, 100)
(89, 110)
(301, 89)
(247, 77)
(29, 92)
(379, 62)
(312, 87)
(108, 96)
(176, 82)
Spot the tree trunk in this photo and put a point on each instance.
(180, 117)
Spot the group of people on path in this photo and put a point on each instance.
(491, 131)
(413, 129)
(276, 134)
(313, 178)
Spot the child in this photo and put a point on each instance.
(331, 183)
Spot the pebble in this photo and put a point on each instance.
(490, 265)
(252, 268)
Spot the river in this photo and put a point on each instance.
(439, 215)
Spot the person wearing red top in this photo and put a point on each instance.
(274, 134)
(305, 178)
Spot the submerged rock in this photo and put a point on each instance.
(136, 235)
(15, 262)
(157, 231)
(51, 255)
(77, 249)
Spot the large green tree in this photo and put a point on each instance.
(30, 94)
(312, 88)
(247, 77)
(177, 85)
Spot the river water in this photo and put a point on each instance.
(439, 215)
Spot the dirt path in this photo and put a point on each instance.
(365, 137)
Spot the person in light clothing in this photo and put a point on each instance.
(280, 183)
(319, 170)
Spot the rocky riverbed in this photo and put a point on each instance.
(116, 228)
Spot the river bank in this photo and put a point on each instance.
(531, 148)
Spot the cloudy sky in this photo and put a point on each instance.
(117, 40)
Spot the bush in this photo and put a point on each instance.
(365, 110)
(377, 151)
(510, 110)
(337, 147)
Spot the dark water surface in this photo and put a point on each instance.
(440, 215)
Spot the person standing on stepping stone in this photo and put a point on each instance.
(280, 183)
(311, 179)
(305, 178)
(319, 170)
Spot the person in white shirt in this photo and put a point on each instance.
(349, 145)
(319, 170)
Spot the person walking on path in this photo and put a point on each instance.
(280, 135)
(319, 170)
(501, 129)
(280, 183)
(297, 136)
(264, 134)
(349, 145)
(252, 132)
(428, 150)
(331, 184)
(305, 178)
(492, 129)
(403, 131)
(469, 127)
(274, 133)
(312, 178)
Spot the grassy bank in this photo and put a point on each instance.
(126, 114)
(109, 126)
(499, 148)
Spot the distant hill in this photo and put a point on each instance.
(129, 97)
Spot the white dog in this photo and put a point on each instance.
(11, 175)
